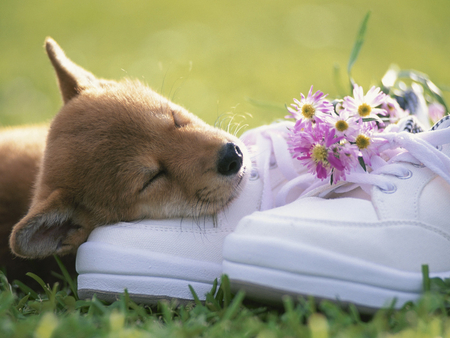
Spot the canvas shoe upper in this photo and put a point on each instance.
(363, 241)
(157, 259)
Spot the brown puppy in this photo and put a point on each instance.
(116, 151)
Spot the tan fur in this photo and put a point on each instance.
(108, 140)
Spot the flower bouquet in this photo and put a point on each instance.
(335, 138)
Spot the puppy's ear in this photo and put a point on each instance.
(44, 230)
(72, 78)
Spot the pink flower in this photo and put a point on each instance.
(310, 109)
(314, 146)
(348, 156)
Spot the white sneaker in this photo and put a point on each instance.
(364, 246)
(158, 259)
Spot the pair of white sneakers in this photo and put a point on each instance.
(361, 241)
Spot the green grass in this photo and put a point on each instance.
(56, 311)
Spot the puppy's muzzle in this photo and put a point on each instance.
(230, 159)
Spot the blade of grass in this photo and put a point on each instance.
(22, 302)
(98, 306)
(266, 105)
(358, 44)
(167, 313)
(234, 306)
(426, 278)
(225, 286)
(194, 294)
(67, 277)
(38, 279)
(337, 80)
(214, 287)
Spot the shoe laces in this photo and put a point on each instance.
(269, 150)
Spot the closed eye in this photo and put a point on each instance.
(151, 178)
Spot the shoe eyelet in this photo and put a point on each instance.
(407, 176)
(390, 190)
(254, 174)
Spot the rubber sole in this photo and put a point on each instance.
(141, 289)
(268, 268)
(271, 285)
(107, 270)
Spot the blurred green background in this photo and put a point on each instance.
(215, 57)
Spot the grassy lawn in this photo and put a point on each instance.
(248, 58)
(56, 312)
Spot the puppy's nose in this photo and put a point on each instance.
(230, 159)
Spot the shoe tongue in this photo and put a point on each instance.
(442, 123)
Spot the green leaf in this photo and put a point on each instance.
(69, 303)
(358, 43)
(439, 285)
(362, 163)
(369, 119)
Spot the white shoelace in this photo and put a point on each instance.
(269, 148)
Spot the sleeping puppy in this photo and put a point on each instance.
(116, 151)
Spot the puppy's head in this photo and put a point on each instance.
(118, 151)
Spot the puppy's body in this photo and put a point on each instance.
(117, 151)
(21, 151)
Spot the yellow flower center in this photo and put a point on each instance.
(308, 111)
(341, 125)
(364, 110)
(362, 141)
(319, 154)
